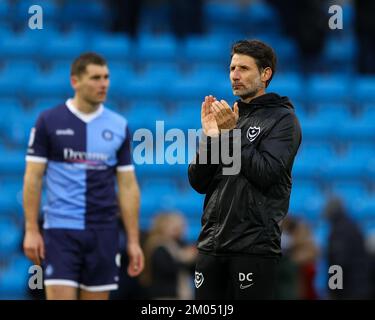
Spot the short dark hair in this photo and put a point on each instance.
(263, 54)
(80, 64)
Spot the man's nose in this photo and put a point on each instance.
(104, 83)
(235, 75)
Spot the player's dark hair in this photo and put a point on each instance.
(80, 64)
(263, 54)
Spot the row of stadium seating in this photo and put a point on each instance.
(165, 187)
(162, 48)
(168, 84)
(332, 123)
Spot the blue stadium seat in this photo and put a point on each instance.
(162, 73)
(315, 128)
(23, 68)
(139, 88)
(330, 88)
(112, 47)
(349, 191)
(14, 45)
(324, 122)
(5, 8)
(191, 204)
(211, 73)
(287, 84)
(12, 162)
(120, 74)
(214, 48)
(196, 87)
(363, 208)
(11, 84)
(339, 54)
(54, 84)
(186, 116)
(364, 89)
(209, 67)
(334, 109)
(333, 114)
(144, 114)
(306, 164)
(158, 197)
(370, 168)
(40, 105)
(65, 46)
(306, 200)
(40, 36)
(367, 107)
(14, 279)
(156, 48)
(351, 165)
(10, 238)
(358, 129)
(8, 106)
(11, 197)
(19, 125)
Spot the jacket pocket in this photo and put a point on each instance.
(256, 203)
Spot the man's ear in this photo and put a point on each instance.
(266, 74)
(74, 81)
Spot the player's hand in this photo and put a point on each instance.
(209, 125)
(33, 246)
(136, 260)
(226, 118)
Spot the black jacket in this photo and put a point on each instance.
(243, 212)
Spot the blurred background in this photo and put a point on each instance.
(164, 57)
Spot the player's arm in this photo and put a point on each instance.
(129, 199)
(32, 190)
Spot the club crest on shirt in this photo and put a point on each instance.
(107, 135)
(198, 279)
(253, 133)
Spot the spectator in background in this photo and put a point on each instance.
(346, 248)
(185, 16)
(365, 30)
(169, 262)
(301, 254)
(304, 253)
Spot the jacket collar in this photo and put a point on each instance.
(265, 100)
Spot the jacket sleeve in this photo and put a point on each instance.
(202, 170)
(265, 164)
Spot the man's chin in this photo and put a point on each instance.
(244, 95)
(100, 100)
